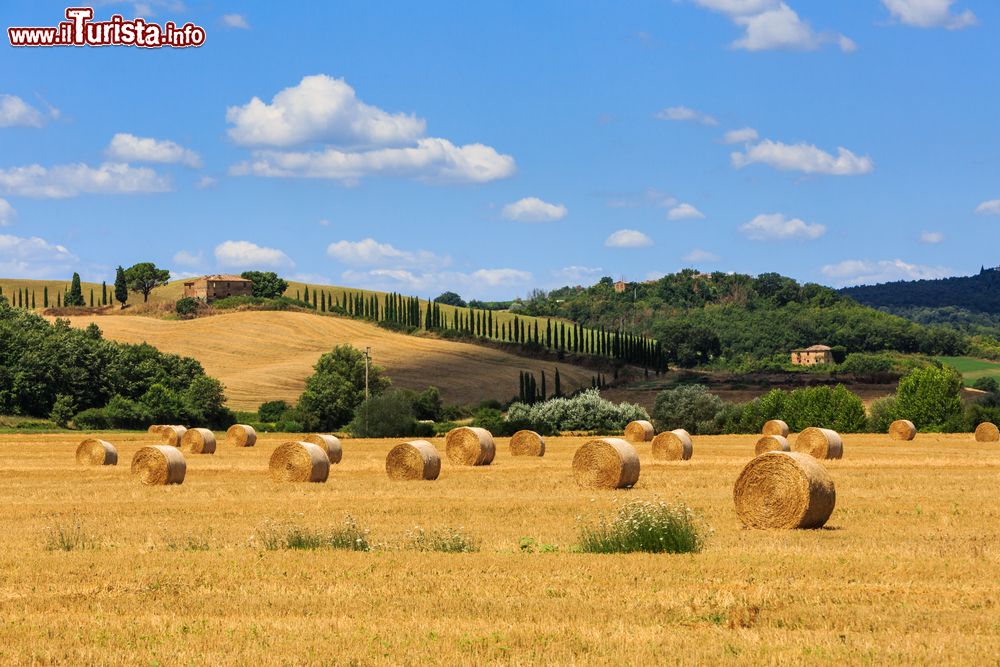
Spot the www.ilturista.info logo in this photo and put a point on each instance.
(80, 30)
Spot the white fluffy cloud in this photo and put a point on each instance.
(33, 257)
(369, 252)
(206, 182)
(431, 160)
(320, 108)
(7, 213)
(931, 237)
(778, 227)
(684, 211)
(699, 255)
(866, 272)
(628, 238)
(71, 180)
(577, 274)
(15, 112)
(990, 207)
(803, 157)
(130, 148)
(533, 209)
(247, 255)
(772, 24)
(930, 14)
(686, 114)
(187, 258)
(237, 21)
(741, 136)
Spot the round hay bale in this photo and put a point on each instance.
(470, 446)
(199, 441)
(775, 427)
(902, 429)
(639, 431)
(417, 459)
(987, 432)
(673, 446)
(95, 452)
(241, 435)
(154, 429)
(330, 443)
(159, 464)
(822, 443)
(784, 490)
(171, 435)
(606, 463)
(527, 443)
(299, 462)
(772, 443)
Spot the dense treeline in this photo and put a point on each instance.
(56, 370)
(406, 313)
(979, 293)
(719, 317)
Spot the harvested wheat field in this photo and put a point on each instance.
(98, 568)
(275, 353)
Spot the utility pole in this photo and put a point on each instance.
(368, 354)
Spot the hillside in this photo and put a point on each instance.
(979, 293)
(262, 356)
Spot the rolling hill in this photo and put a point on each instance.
(266, 355)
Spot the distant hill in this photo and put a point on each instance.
(979, 293)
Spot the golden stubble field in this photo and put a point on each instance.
(907, 571)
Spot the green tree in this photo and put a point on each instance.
(121, 287)
(691, 407)
(930, 398)
(266, 284)
(74, 296)
(387, 416)
(186, 306)
(144, 277)
(272, 411)
(450, 299)
(62, 410)
(337, 388)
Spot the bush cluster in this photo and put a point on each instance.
(586, 411)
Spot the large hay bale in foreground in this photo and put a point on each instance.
(639, 431)
(775, 427)
(159, 464)
(299, 462)
(987, 432)
(527, 443)
(606, 463)
(330, 443)
(772, 443)
(417, 459)
(171, 435)
(784, 490)
(241, 435)
(95, 452)
(673, 446)
(199, 441)
(822, 443)
(902, 429)
(470, 446)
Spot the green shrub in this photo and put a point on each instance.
(930, 398)
(987, 384)
(828, 407)
(585, 412)
(867, 365)
(691, 407)
(62, 410)
(92, 419)
(881, 414)
(272, 411)
(186, 307)
(654, 527)
(349, 537)
(387, 416)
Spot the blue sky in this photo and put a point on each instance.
(492, 149)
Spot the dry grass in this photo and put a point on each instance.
(275, 353)
(914, 540)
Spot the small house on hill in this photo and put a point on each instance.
(210, 288)
(813, 355)
(620, 286)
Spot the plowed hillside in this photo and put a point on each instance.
(264, 355)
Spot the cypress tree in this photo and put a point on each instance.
(91, 298)
(543, 386)
(59, 299)
(32, 299)
(305, 293)
(315, 305)
(520, 386)
(104, 293)
(558, 383)
(45, 296)
(121, 287)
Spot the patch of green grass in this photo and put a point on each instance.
(72, 537)
(971, 368)
(445, 540)
(349, 537)
(650, 526)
